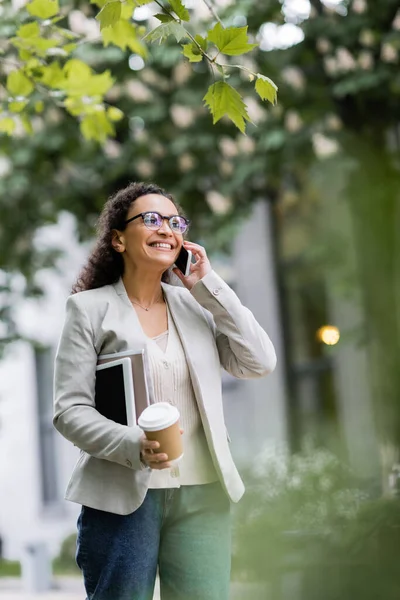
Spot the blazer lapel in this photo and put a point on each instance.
(130, 316)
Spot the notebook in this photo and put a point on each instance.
(140, 393)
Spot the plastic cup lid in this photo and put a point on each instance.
(158, 416)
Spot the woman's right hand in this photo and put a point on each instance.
(150, 458)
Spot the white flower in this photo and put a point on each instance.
(218, 203)
(331, 65)
(6, 166)
(389, 53)
(246, 144)
(366, 60)
(294, 482)
(345, 60)
(182, 116)
(333, 123)
(367, 38)
(324, 147)
(186, 162)
(359, 6)
(226, 168)
(255, 110)
(228, 147)
(90, 28)
(294, 77)
(182, 72)
(112, 149)
(56, 52)
(144, 168)
(158, 150)
(396, 22)
(138, 91)
(114, 93)
(293, 122)
(323, 45)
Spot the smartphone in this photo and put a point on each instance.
(184, 261)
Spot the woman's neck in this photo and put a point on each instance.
(144, 287)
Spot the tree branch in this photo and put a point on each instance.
(190, 36)
(213, 12)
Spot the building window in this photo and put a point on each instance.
(311, 367)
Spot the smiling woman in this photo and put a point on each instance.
(106, 263)
(137, 512)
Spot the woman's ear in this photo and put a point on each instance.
(117, 241)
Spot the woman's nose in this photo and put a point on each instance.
(165, 228)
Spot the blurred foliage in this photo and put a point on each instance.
(39, 55)
(307, 522)
(10, 568)
(65, 563)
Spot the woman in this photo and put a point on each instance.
(136, 515)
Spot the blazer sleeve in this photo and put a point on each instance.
(75, 416)
(244, 348)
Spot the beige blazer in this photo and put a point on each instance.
(215, 329)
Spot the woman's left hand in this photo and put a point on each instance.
(199, 269)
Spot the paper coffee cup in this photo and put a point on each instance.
(160, 422)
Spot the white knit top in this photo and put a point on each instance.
(172, 383)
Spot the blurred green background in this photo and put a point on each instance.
(321, 517)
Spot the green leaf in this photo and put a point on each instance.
(180, 10)
(201, 41)
(17, 106)
(96, 127)
(44, 9)
(114, 113)
(222, 99)
(25, 55)
(99, 84)
(231, 41)
(37, 45)
(164, 18)
(266, 88)
(142, 2)
(192, 52)
(68, 48)
(124, 35)
(18, 84)
(109, 14)
(52, 76)
(27, 124)
(99, 3)
(163, 31)
(7, 125)
(80, 81)
(39, 106)
(31, 30)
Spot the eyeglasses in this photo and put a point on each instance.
(153, 220)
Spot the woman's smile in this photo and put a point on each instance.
(163, 246)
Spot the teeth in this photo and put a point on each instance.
(160, 245)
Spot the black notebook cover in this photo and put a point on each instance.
(110, 394)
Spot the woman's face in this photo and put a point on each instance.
(143, 247)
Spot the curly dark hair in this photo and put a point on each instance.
(105, 265)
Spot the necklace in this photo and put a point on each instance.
(149, 307)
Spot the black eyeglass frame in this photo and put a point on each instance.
(154, 212)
